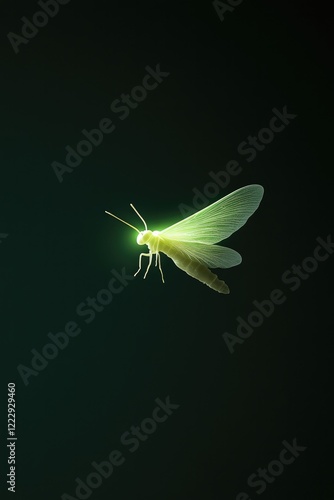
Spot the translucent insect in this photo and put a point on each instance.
(190, 243)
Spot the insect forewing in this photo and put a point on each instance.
(219, 220)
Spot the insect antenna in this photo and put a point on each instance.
(138, 215)
(121, 220)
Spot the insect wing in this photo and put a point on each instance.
(220, 219)
(212, 256)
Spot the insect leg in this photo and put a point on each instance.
(159, 260)
(140, 257)
(149, 263)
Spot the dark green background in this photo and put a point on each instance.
(156, 340)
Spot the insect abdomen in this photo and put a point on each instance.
(195, 269)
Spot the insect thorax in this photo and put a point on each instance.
(149, 238)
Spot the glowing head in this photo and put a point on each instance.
(144, 237)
